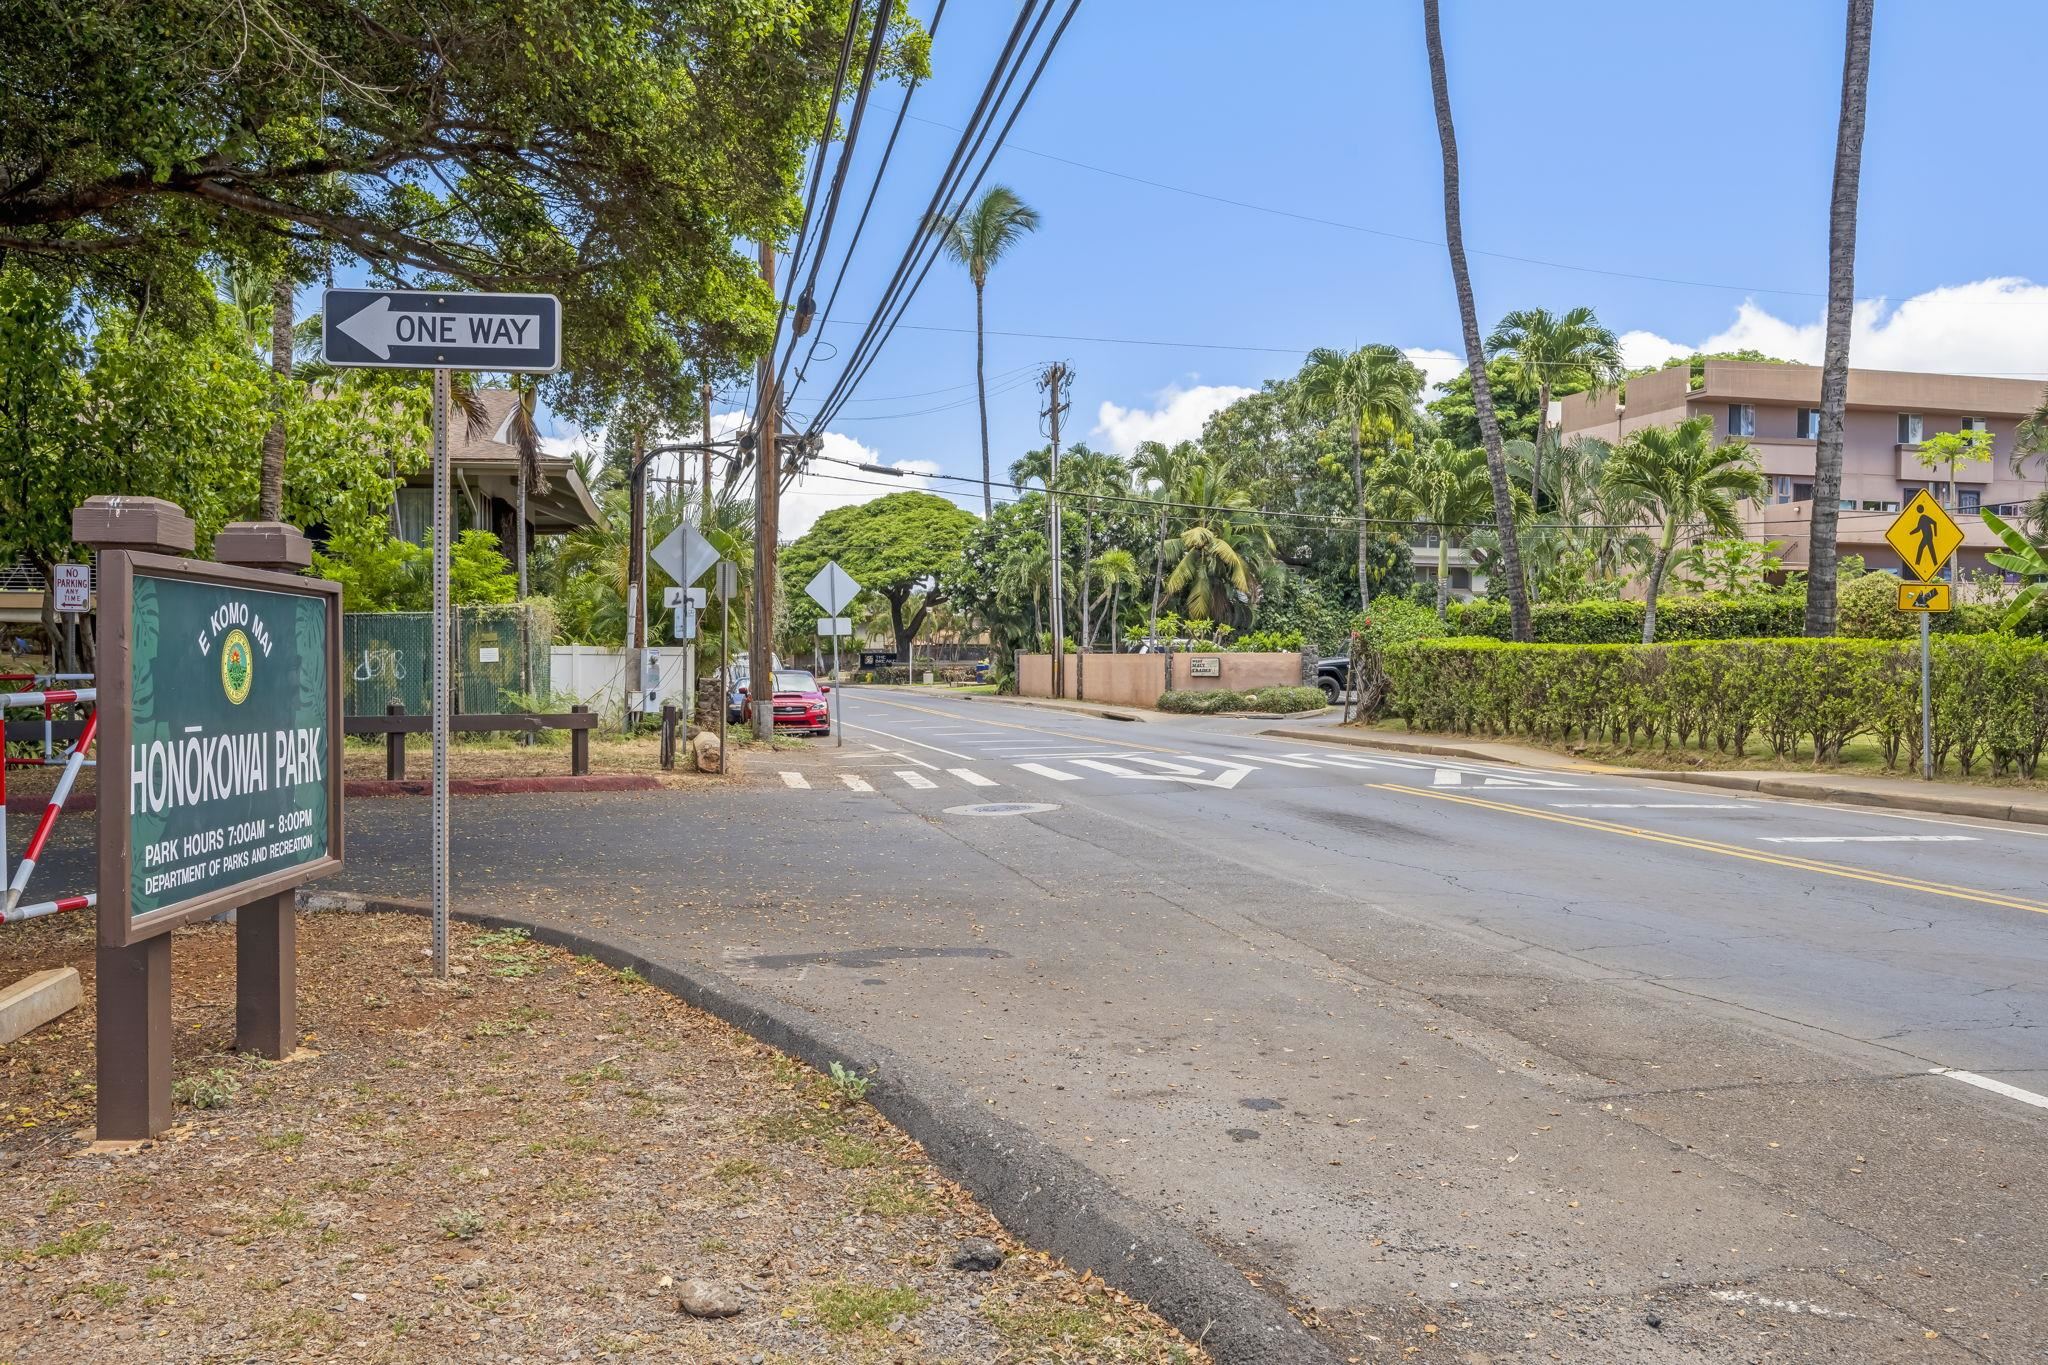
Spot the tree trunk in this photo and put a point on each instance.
(704, 488)
(1834, 365)
(1536, 461)
(1656, 585)
(988, 506)
(1115, 592)
(270, 506)
(1443, 574)
(1364, 531)
(1087, 551)
(1158, 578)
(1475, 353)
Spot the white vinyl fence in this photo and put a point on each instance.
(595, 676)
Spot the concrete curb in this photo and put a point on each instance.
(1039, 1193)
(1816, 789)
(1079, 707)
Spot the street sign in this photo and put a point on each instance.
(220, 718)
(73, 583)
(833, 587)
(835, 625)
(1926, 597)
(728, 578)
(685, 624)
(1924, 535)
(684, 554)
(398, 329)
(675, 597)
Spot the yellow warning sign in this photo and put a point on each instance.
(1925, 535)
(1925, 597)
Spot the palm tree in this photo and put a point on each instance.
(1475, 354)
(1219, 553)
(977, 239)
(1446, 487)
(1547, 350)
(1834, 364)
(1372, 386)
(1679, 475)
(1112, 571)
(1159, 470)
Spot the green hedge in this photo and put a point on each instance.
(1868, 607)
(1286, 700)
(1990, 695)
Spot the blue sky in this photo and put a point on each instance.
(1640, 144)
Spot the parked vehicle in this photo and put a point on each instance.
(799, 701)
(1334, 677)
(735, 684)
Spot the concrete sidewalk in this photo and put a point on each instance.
(1888, 793)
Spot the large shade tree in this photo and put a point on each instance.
(904, 548)
(978, 238)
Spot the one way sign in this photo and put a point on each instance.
(395, 329)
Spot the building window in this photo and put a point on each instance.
(1802, 492)
(1782, 488)
(1974, 424)
(1809, 424)
(1969, 500)
(1742, 419)
(415, 514)
(1909, 428)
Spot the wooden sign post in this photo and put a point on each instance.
(219, 778)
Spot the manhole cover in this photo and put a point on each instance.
(1002, 808)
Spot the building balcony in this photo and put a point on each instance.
(1912, 471)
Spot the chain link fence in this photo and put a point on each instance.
(501, 658)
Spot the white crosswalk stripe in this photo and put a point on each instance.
(795, 781)
(859, 784)
(917, 780)
(971, 777)
(1056, 774)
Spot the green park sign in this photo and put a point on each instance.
(220, 733)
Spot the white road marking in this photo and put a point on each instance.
(1054, 773)
(917, 780)
(796, 782)
(971, 777)
(905, 739)
(1269, 758)
(1782, 1305)
(1455, 777)
(859, 784)
(1871, 839)
(2011, 1092)
(1650, 805)
(1448, 777)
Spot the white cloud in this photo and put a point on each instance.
(1438, 365)
(1996, 326)
(1178, 417)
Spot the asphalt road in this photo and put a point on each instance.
(1491, 1063)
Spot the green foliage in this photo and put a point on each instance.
(1295, 604)
(1284, 700)
(1731, 567)
(2024, 556)
(1697, 364)
(1621, 622)
(1457, 415)
(1288, 700)
(903, 548)
(478, 573)
(848, 1085)
(214, 1089)
(379, 572)
(1867, 608)
(1990, 695)
(1394, 621)
(620, 153)
(1944, 451)
(1268, 642)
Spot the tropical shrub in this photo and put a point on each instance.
(1706, 617)
(1190, 703)
(1288, 700)
(1990, 695)
(1267, 642)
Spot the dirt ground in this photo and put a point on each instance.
(526, 1166)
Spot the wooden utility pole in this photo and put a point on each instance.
(636, 573)
(767, 509)
(704, 401)
(1054, 382)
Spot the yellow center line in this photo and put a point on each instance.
(1033, 729)
(1902, 883)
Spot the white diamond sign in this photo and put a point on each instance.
(833, 588)
(684, 555)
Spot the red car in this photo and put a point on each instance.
(800, 704)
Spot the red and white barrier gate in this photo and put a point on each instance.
(11, 907)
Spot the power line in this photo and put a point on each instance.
(857, 369)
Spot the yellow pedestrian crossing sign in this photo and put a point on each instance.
(1925, 597)
(1925, 535)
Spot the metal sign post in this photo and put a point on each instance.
(1926, 537)
(397, 329)
(834, 589)
(728, 579)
